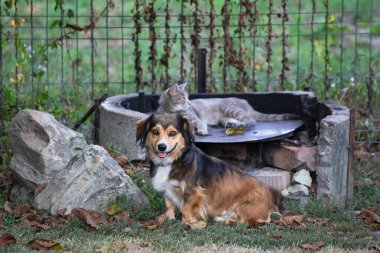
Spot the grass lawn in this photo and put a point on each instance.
(339, 229)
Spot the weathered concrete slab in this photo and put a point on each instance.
(332, 155)
(276, 178)
(118, 127)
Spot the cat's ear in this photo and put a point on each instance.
(182, 86)
(142, 127)
(173, 90)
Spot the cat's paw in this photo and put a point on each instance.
(202, 131)
(234, 124)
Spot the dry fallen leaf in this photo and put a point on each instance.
(121, 159)
(25, 223)
(7, 206)
(313, 246)
(151, 225)
(117, 245)
(276, 236)
(44, 226)
(377, 248)
(290, 220)
(144, 244)
(7, 239)
(2, 226)
(326, 222)
(39, 244)
(369, 216)
(113, 209)
(61, 212)
(85, 216)
(24, 209)
(122, 216)
(39, 189)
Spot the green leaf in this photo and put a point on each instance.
(54, 45)
(70, 13)
(55, 23)
(58, 4)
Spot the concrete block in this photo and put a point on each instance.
(289, 157)
(276, 178)
(233, 151)
(332, 155)
(118, 127)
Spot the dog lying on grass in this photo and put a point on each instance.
(200, 186)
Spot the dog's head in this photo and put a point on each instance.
(165, 136)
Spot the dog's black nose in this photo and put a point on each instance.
(161, 147)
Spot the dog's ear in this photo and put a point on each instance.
(187, 129)
(173, 90)
(142, 127)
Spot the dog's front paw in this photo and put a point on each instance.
(166, 216)
(196, 224)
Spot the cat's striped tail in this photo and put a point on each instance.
(258, 116)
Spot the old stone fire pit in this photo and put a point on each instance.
(311, 155)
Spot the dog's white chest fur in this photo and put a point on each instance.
(162, 183)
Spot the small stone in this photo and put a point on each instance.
(127, 230)
(284, 193)
(302, 177)
(298, 190)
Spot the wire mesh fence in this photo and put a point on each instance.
(59, 55)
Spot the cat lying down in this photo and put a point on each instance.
(226, 112)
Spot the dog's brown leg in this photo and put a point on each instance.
(253, 213)
(193, 210)
(170, 211)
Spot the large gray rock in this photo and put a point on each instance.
(42, 147)
(91, 180)
(332, 155)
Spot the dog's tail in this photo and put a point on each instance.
(277, 199)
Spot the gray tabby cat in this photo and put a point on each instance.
(227, 112)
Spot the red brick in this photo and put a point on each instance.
(289, 157)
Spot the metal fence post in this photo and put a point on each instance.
(202, 73)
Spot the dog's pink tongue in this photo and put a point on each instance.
(162, 154)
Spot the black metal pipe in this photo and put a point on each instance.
(202, 52)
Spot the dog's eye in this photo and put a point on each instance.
(172, 133)
(155, 132)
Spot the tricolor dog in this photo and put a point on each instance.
(200, 186)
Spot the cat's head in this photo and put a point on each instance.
(175, 98)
